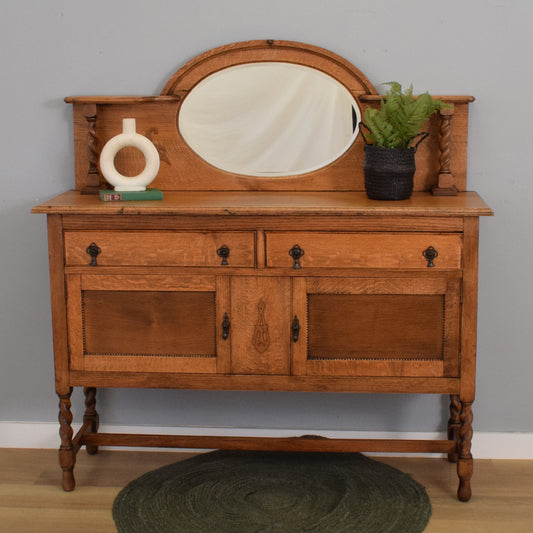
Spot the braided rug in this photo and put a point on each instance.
(241, 492)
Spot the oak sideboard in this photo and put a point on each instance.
(291, 282)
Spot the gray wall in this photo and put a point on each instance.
(62, 47)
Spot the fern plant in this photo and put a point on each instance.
(400, 116)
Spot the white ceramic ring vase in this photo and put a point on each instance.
(129, 137)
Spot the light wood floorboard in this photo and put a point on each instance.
(31, 499)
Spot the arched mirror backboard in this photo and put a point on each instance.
(258, 115)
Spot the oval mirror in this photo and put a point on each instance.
(269, 119)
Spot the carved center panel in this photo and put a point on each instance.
(261, 338)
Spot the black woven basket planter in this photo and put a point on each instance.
(389, 172)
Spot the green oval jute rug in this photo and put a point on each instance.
(241, 492)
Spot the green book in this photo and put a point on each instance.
(110, 195)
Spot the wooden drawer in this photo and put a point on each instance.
(363, 250)
(130, 248)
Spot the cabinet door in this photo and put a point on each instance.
(260, 325)
(145, 323)
(378, 327)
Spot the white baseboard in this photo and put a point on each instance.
(485, 445)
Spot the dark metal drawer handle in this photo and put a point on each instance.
(225, 326)
(430, 255)
(295, 329)
(93, 250)
(296, 253)
(223, 252)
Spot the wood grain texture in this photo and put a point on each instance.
(272, 50)
(58, 303)
(452, 327)
(161, 273)
(399, 284)
(469, 310)
(145, 281)
(147, 323)
(260, 336)
(260, 203)
(375, 367)
(363, 250)
(263, 222)
(290, 444)
(387, 326)
(160, 248)
(160, 379)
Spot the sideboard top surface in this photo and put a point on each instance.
(257, 203)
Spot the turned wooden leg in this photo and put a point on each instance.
(67, 456)
(91, 416)
(454, 424)
(465, 463)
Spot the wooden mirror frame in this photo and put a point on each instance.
(99, 118)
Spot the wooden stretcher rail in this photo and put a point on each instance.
(287, 444)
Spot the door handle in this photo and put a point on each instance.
(225, 326)
(223, 252)
(295, 329)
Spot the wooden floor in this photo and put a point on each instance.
(31, 498)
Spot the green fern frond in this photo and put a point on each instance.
(400, 116)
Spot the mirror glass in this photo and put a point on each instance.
(269, 119)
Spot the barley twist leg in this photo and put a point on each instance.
(67, 456)
(454, 424)
(91, 416)
(465, 463)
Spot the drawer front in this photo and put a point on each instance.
(130, 248)
(363, 250)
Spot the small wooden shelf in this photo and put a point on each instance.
(262, 203)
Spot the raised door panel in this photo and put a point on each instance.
(143, 324)
(260, 325)
(385, 327)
